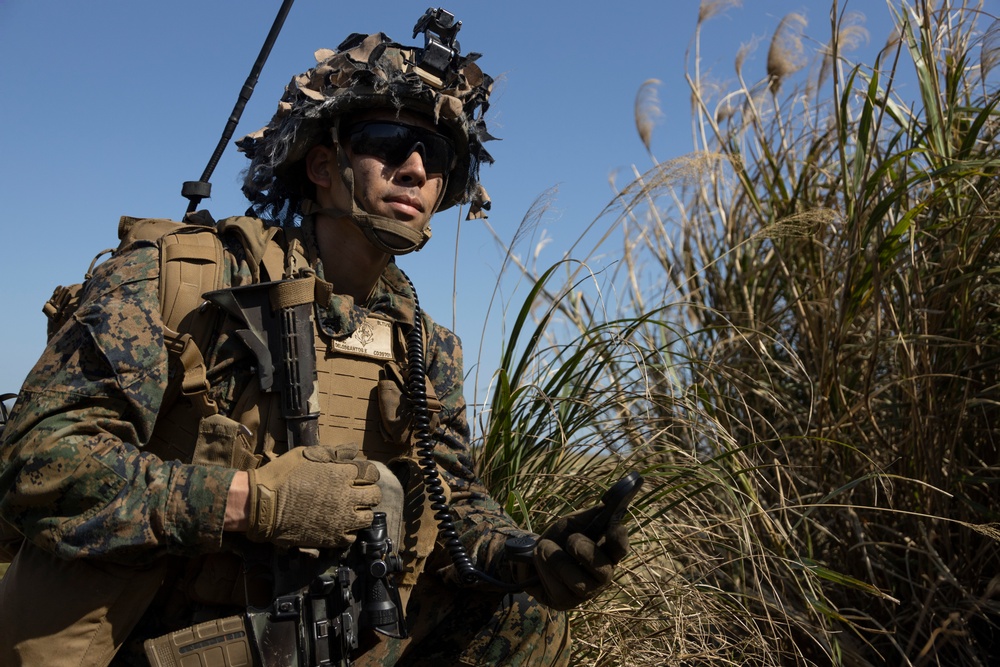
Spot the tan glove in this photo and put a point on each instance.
(571, 567)
(313, 497)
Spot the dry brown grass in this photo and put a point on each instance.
(806, 368)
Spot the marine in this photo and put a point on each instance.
(162, 494)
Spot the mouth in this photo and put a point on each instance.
(406, 204)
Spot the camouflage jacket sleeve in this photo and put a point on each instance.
(480, 520)
(74, 478)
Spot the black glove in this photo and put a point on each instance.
(572, 568)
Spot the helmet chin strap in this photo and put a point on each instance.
(387, 234)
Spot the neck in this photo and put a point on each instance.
(350, 263)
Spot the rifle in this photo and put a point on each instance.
(321, 622)
(279, 329)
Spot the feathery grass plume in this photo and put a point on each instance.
(707, 9)
(989, 54)
(647, 111)
(800, 225)
(851, 34)
(724, 111)
(746, 48)
(892, 39)
(785, 55)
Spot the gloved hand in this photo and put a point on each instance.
(571, 567)
(313, 497)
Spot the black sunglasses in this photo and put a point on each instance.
(396, 142)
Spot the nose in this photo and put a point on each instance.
(411, 171)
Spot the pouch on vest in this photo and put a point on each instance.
(395, 409)
(224, 442)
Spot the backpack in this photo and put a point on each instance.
(192, 262)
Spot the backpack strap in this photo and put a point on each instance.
(192, 261)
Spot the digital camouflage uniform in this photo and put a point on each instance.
(77, 478)
(118, 481)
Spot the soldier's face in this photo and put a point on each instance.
(392, 183)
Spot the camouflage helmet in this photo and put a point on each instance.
(373, 72)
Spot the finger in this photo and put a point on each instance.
(555, 593)
(316, 453)
(365, 496)
(347, 451)
(615, 542)
(580, 520)
(343, 541)
(363, 517)
(575, 522)
(590, 558)
(367, 472)
(562, 575)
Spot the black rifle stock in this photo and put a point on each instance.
(279, 330)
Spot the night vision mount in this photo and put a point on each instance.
(441, 49)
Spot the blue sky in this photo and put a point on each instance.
(109, 105)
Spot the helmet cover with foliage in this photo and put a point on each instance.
(369, 72)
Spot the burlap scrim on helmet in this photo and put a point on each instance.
(369, 72)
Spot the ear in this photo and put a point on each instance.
(321, 165)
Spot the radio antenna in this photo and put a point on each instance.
(195, 191)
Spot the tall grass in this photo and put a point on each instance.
(805, 366)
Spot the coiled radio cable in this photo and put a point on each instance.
(416, 392)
